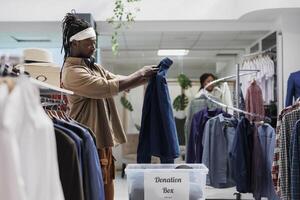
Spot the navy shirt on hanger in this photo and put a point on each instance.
(158, 135)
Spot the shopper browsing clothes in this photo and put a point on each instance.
(94, 87)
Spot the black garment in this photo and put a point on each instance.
(258, 166)
(180, 130)
(69, 167)
(241, 156)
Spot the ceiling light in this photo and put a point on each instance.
(172, 52)
(31, 39)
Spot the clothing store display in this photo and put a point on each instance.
(293, 88)
(92, 174)
(158, 136)
(94, 88)
(218, 137)
(198, 103)
(264, 77)
(195, 147)
(28, 147)
(254, 101)
(69, 167)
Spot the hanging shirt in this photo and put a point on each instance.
(198, 103)
(11, 180)
(24, 119)
(217, 140)
(158, 135)
(295, 162)
(263, 153)
(293, 88)
(241, 156)
(195, 147)
(78, 142)
(69, 166)
(92, 174)
(287, 126)
(92, 103)
(254, 101)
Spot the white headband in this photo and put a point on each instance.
(84, 34)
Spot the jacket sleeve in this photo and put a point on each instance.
(82, 83)
(290, 91)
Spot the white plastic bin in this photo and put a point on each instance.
(166, 181)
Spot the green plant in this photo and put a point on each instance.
(122, 16)
(126, 103)
(182, 101)
(184, 81)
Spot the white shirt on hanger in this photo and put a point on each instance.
(11, 180)
(25, 119)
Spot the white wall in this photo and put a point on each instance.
(289, 26)
(227, 68)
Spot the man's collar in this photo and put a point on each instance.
(75, 60)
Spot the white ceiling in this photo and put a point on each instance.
(139, 44)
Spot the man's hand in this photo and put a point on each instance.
(149, 71)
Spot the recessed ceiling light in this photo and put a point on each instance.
(172, 52)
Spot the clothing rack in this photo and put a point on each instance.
(237, 86)
(227, 106)
(11, 71)
(238, 195)
(268, 50)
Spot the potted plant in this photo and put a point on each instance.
(180, 103)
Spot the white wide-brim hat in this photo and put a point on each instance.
(37, 55)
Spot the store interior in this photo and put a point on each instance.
(218, 36)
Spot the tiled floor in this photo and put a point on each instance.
(121, 192)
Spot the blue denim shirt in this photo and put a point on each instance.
(158, 135)
(218, 137)
(293, 88)
(195, 147)
(266, 134)
(92, 174)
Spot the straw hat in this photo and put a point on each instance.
(37, 55)
(39, 63)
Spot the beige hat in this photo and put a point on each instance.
(37, 55)
(42, 68)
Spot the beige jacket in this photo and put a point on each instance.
(92, 103)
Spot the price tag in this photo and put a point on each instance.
(162, 186)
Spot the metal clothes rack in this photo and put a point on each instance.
(238, 195)
(227, 106)
(260, 52)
